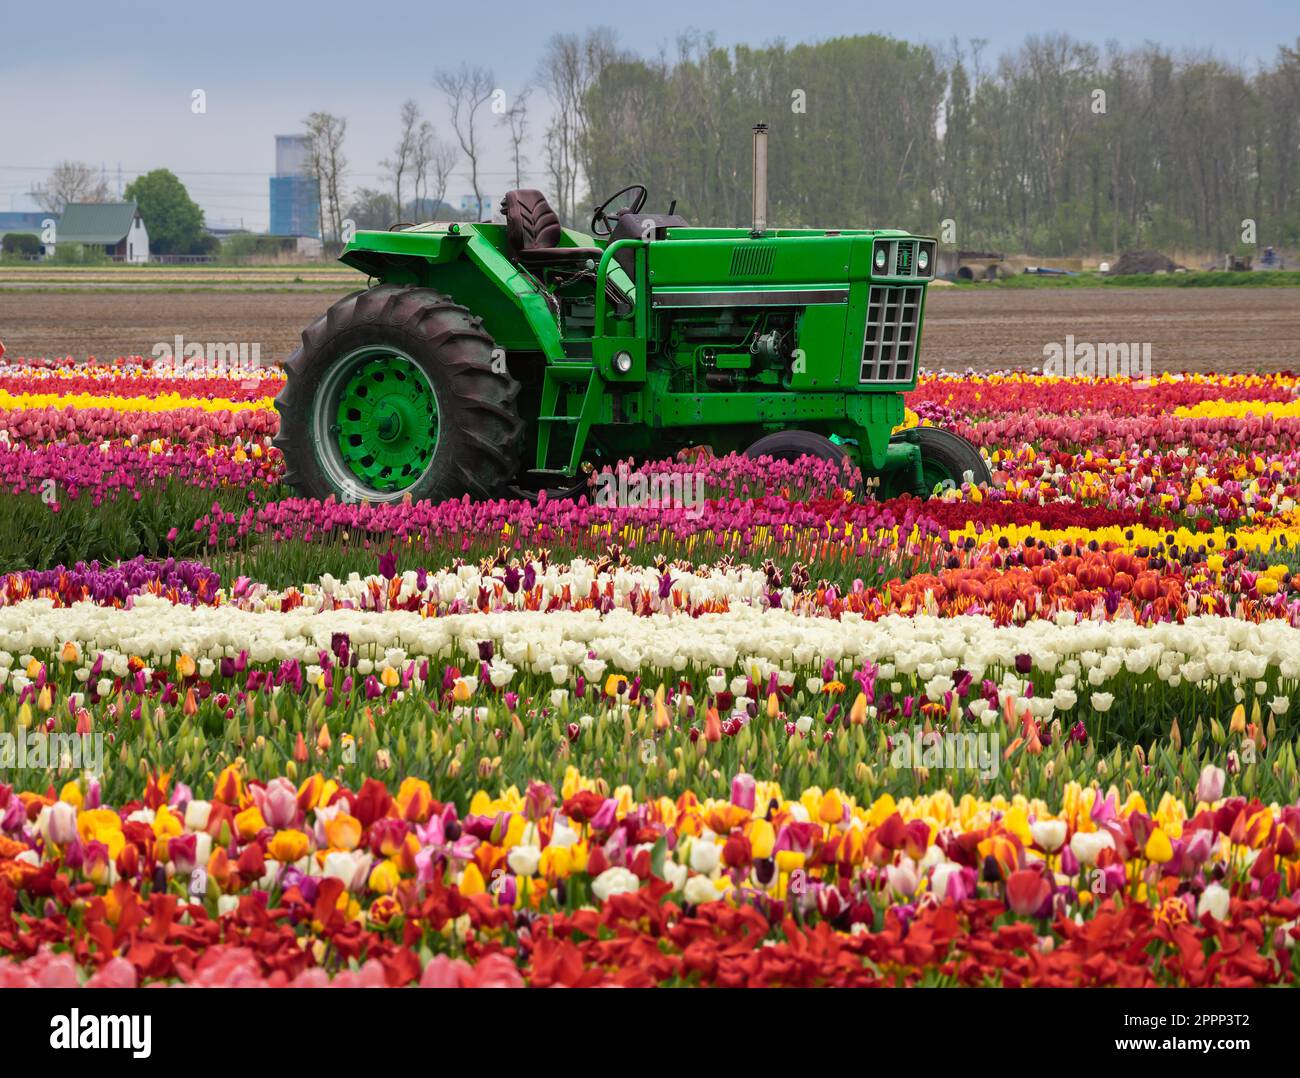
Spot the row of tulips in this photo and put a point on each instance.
(1008, 584)
(964, 393)
(138, 380)
(975, 394)
(104, 421)
(663, 702)
(751, 509)
(1110, 435)
(108, 471)
(584, 883)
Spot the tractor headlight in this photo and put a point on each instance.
(882, 256)
(923, 259)
(623, 362)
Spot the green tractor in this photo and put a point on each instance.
(506, 359)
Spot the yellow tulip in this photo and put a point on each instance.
(1238, 723)
(1158, 848)
(762, 837)
(556, 862)
(166, 824)
(249, 822)
(384, 878)
(471, 881)
(789, 860)
(102, 825)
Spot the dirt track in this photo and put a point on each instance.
(1189, 328)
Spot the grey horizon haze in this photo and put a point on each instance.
(112, 86)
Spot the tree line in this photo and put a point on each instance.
(1054, 148)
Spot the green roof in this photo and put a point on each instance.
(95, 222)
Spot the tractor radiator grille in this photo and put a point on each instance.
(903, 260)
(893, 318)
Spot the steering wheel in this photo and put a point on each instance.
(601, 218)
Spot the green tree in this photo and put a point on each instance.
(21, 244)
(173, 219)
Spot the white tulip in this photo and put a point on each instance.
(1214, 900)
(675, 874)
(614, 881)
(698, 890)
(1087, 845)
(1049, 834)
(563, 835)
(523, 860)
(705, 856)
(196, 815)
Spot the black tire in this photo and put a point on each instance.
(793, 444)
(948, 455)
(480, 433)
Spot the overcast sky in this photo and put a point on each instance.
(112, 84)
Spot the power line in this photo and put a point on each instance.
(46, 169)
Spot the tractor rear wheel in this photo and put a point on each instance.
(395, 393)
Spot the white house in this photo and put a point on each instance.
(117, 227)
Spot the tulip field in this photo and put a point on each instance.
(1039, 733)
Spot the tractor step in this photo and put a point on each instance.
(560, 384)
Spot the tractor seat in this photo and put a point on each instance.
(533, 229)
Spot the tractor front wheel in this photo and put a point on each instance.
(947, 460)
(396, 392)
(793, 444)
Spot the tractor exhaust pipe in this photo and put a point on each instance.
(760, 180)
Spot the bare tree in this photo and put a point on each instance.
(570, 67)
(443, 160)
(403, 159)
(421, 159)
(516, 119)
(468, 90)
(71, 181)
(327, 165)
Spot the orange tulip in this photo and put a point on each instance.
(288, 846)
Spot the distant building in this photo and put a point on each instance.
(469, 204)
(114, 226)
(295, 195)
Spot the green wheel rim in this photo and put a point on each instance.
(377, 423)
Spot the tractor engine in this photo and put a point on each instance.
(728, 349)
